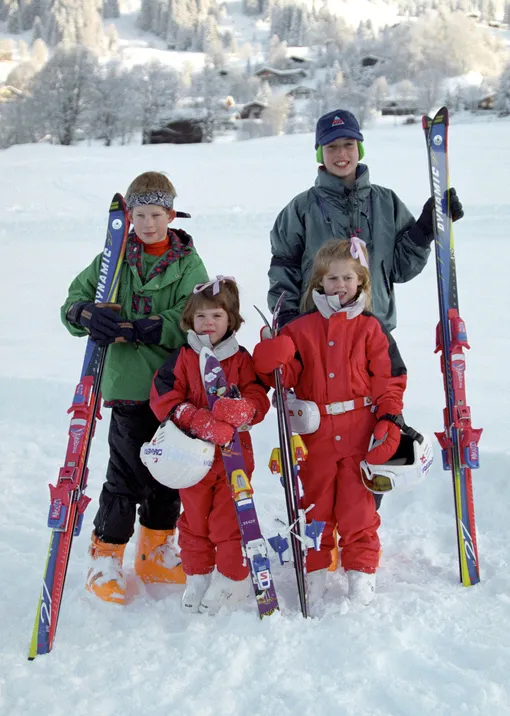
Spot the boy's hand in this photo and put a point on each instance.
(426, 218)
(272, 353)
(101, 320)
(235, 411)
(205, 426)
(148, 330)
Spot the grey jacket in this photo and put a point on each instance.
(397, 247)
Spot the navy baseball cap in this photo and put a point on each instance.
(336, 124)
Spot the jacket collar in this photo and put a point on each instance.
(332, 185)
(222, 350)
(329, 305)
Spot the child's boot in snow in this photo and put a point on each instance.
(223, 590)
(156, 559)
(105, 578)
(316, 584)
(196, 586)
(361, 587)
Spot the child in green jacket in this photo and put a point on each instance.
(160, 269)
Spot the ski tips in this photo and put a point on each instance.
(118, 203)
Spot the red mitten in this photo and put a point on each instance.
(183, 416)
(272, 353)
(206, 427)
(389, 433)
(235, 411)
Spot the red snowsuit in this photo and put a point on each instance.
(208, 530)
(344, 356)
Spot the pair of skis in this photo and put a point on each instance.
(458, 440)
(286, 461)
(68, 499)
(253, 542)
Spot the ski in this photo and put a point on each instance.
(254, 545)
(458, 440)
(285, 461)
(67, 498)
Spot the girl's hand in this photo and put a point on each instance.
(389, 433)
(205, 426)
(272, 353)
(183, 416)
(235, 411)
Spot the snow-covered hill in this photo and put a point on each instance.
(426, 645)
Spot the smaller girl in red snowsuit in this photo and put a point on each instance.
(208, 530)
(342, 358)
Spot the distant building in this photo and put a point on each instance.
(181, 127)
(398, 108)
(252, 110)
(8, 92)
(370, 60)
(487, 102)
(301, 92)
(281, 77)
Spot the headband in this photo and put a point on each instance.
(215, 283)
(159, 198)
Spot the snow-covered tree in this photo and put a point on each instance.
(37, 30)
(111, 114)
(156, 89)
(111, 9)
(75, 22)
(503, 95)
(277, 53)
(40, 53)
(63, 92)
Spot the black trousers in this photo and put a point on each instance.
(128, 482)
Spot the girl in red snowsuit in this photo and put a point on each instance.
(208, 530)
(341, 357)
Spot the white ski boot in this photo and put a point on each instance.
(316, 585)
(222, 591)
(361, 587)
(196, 586)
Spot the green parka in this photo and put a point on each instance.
(397, 248)
(129, 368)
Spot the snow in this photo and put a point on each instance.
(426, 645)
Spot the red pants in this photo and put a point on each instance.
(332, 482)
(208, 530)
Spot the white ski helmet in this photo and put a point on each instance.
(176, 460)
(407, 468)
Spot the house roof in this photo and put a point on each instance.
(297, 72)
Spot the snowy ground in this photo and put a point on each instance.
(426, 645)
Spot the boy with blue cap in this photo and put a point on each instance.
(342, 204)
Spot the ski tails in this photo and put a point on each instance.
(67, 498)
(253, 543)
(458, 440)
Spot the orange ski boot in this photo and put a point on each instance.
(156, 557)
(105, 578)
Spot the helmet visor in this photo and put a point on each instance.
(379, 482)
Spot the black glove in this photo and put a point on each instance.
(425, 221)
(143, 330)
(104, 324)
(148, 330)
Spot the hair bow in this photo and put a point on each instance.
(215, 283)
(357, 246)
